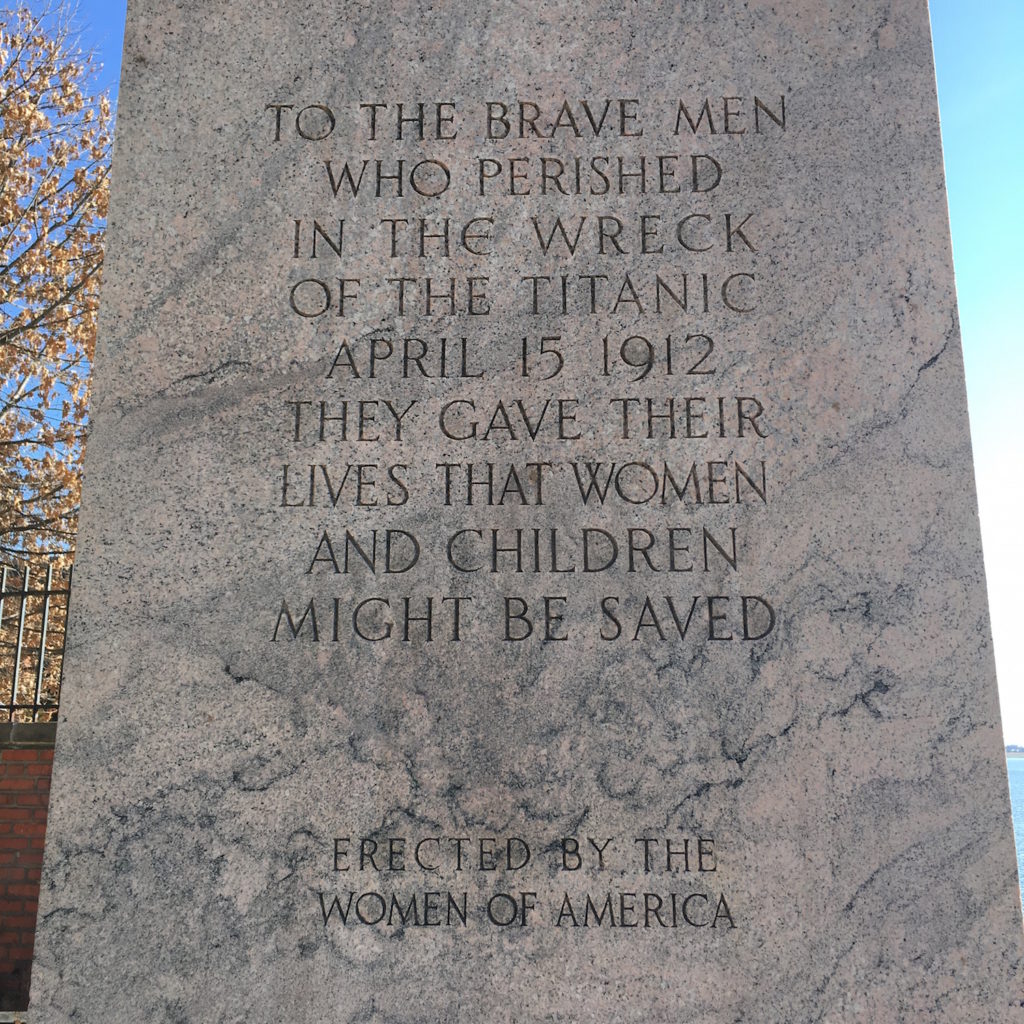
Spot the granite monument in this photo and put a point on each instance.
(530, 567)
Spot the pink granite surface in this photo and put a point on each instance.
(827, 775)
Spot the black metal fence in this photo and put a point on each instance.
(33, 620)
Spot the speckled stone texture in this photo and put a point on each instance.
(801, 813)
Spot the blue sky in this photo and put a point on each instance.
(978, 55)
(978, 49)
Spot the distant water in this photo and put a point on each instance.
(1015, 770)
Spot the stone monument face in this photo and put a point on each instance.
(530, 567)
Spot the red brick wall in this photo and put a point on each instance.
(25, 766)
